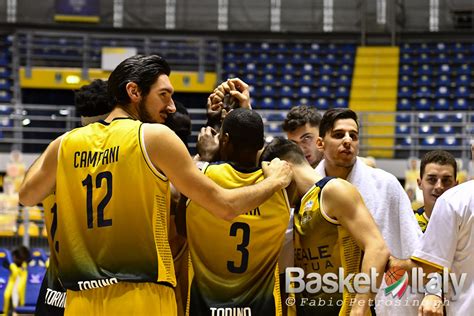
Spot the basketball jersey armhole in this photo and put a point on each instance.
(141, 140)
(202, 168)
(321, 209)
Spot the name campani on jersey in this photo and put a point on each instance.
(84, 159)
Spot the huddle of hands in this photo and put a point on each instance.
(229, 95)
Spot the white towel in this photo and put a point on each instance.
(389, 205)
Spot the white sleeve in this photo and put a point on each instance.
(438, 243)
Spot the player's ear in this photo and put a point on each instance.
(320, 143)
(133, 91)
(225, 138)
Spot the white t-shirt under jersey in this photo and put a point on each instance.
(449, 242)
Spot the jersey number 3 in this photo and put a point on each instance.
(88, 183)
(245, 228)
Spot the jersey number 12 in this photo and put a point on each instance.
(88, 183)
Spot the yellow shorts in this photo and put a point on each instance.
(123, 298)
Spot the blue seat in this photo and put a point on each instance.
(443, 80)
(268, 91)
(440, 58)
(286, 91)
(407, 58)
(403, 118)
(460, 105)
(404, 105)
(306, 80)
(455, 118)
(441, 104)
(464, 69)
(250, 79)
(322, 104)
(289, 68)
(405, 80)
(308, 69)
(424, 118)
(462, 92)
(345, 69)
(275, 117)
(251, 67)
(342, 92)
(343, 80)
(405, 140)
(273, 128)
(462, 80)
(35, 270)
(424, 80)
(423, 92)
(323, 91)
(305, 91)
(5, 261)
(287, 79)
(405, 92)
(423, 104)
(279, 58)
(296, 58)
(440, 48)
(446, 129)
(425, 69)
(268, 79)
(406, 69)
(430, 141)
(440, 118)
(267, 103)
(403, 129)
(442, 92)
(342, 103)
(285, 103)
(325, 80)
(450, 141)
(270, 68)
(425, 129)
(423, 58)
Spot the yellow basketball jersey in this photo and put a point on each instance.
(422, 218)
(235, 263)
(113, 209)
(323, 246)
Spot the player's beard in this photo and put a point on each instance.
(143, 114)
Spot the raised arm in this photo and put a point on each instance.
(342, 201)
(169, 155)
(40, 179)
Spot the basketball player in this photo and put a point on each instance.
(235, 266)
(437, 174)
(382, 193)
(92, 104)
(448, 242)
(333, 229)
(302, 126)
(113, 194)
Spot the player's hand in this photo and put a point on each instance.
(432, 305)
(236, 88)
(208, 144)
(279, 170)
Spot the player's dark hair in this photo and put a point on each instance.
(143, 70)
(245, 129)
(300, 115)
(92, 99)
(332, 115)
(440, 157)
(284, 149)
